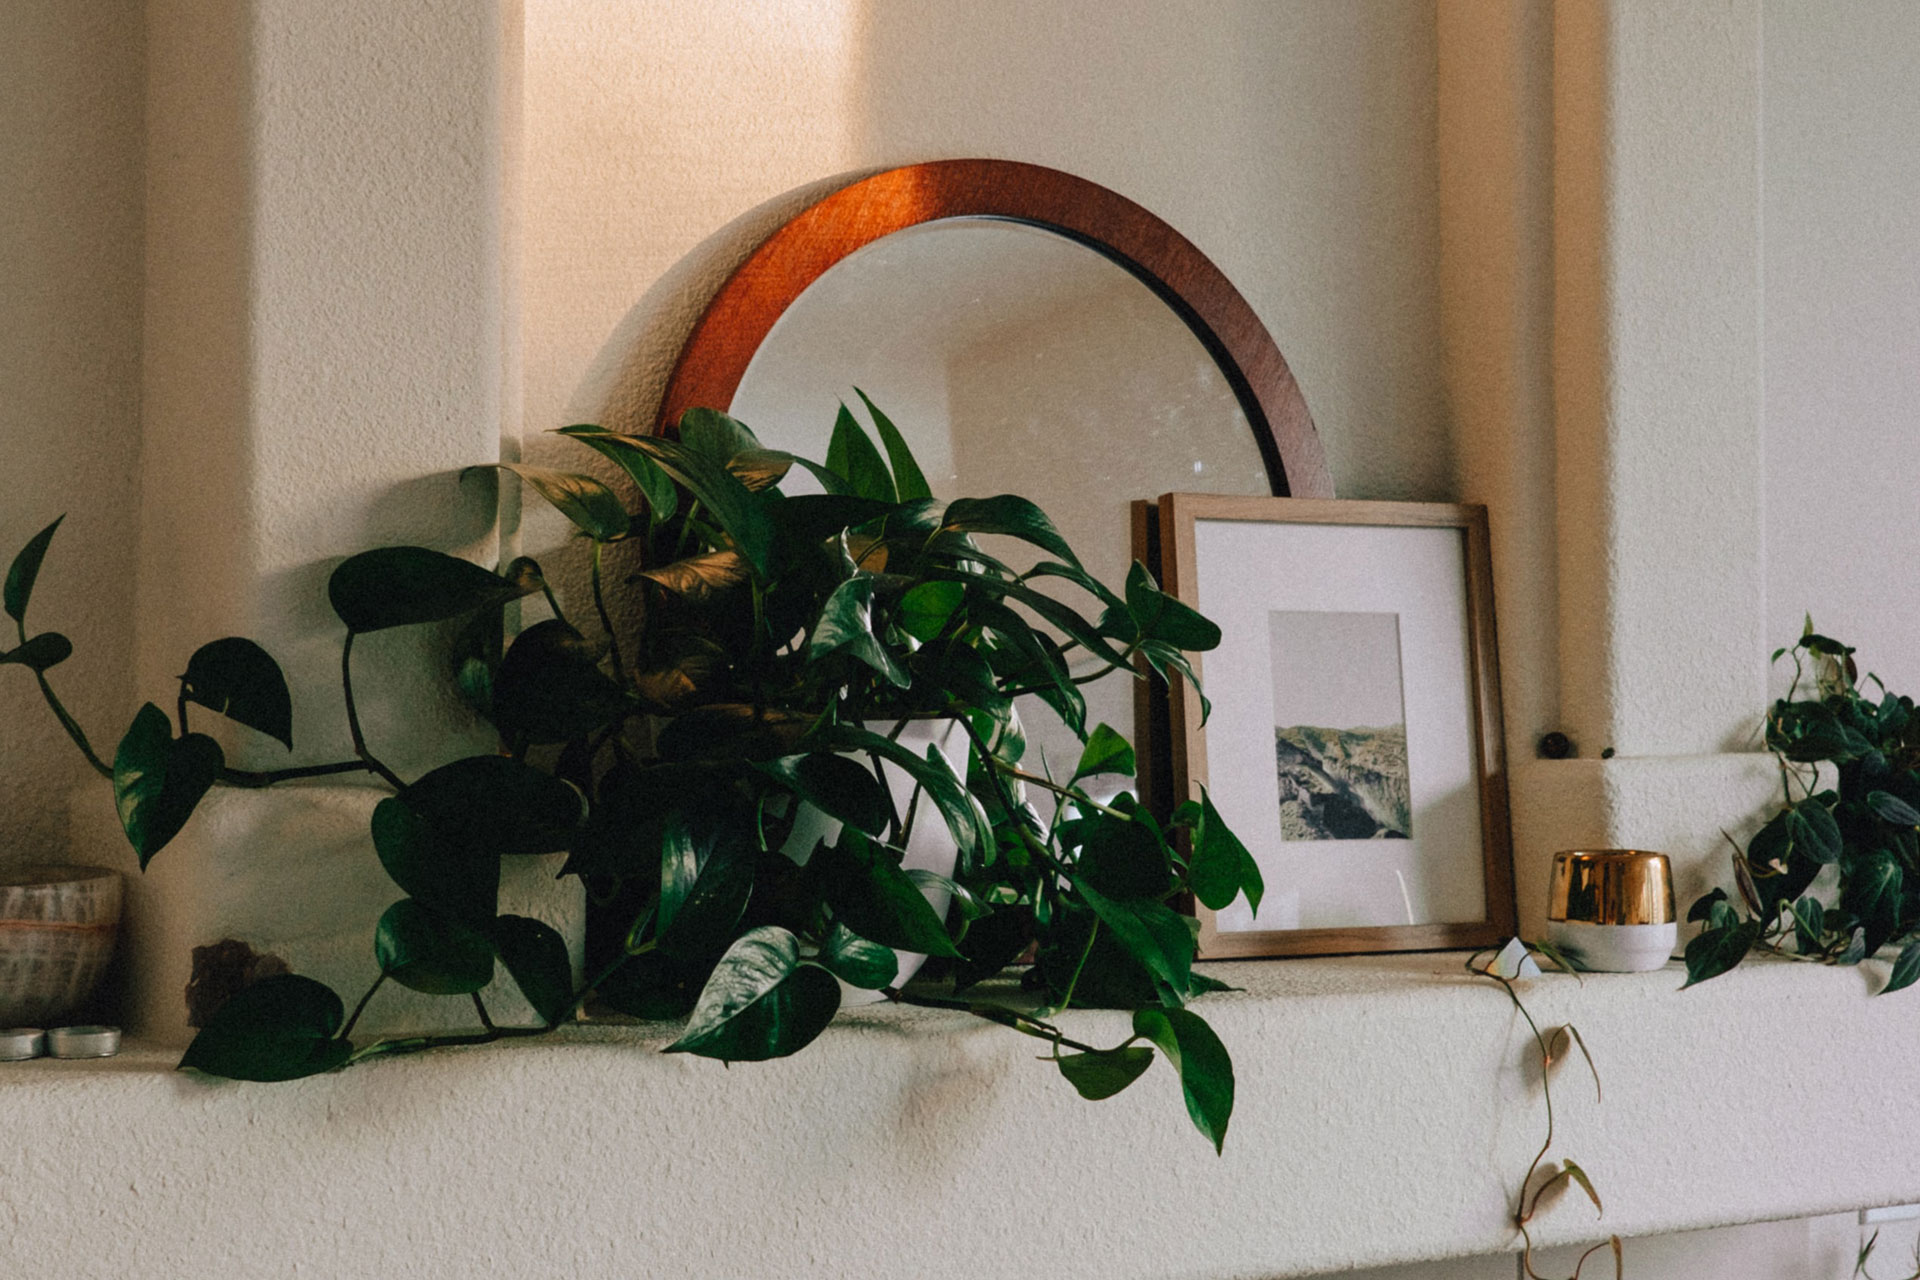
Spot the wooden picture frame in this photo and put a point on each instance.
(1335, 610)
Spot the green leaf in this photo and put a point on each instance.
(760, 1001)
(736, 508)
(536, 955)
(871, 895)
(24, 570)
(1161, 617)
(429, 951)
(1872, 892)
(837, 786)
(1106, 752)
(1703, 905)
(1206, 1072)
(924, 609)
(1814, 831)
(459, 880)
(1906, 969)
(1893, 809)
(706, 879)
(48, 649)
(550, 687)
(504, 806)
(851, 455)
(400, 586)
(716, 436)
(856, 961)
(992, 943)
(1221, 869)
(907, 477)
(962, 812)
(1809, 925)
(594, 509)
(1104, 1072)
(158, 780)
(1154, 935)
(762, 468)
(1125, 858)
(1579, 1175)
(655, 485)
(279, 1028)
(241, 681)
(1008, 515)
(704, 578)
(1715, 951)
(846, 622)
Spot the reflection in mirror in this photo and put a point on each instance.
(1014, 360)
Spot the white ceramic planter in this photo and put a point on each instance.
(1615, 948)
(930, 845)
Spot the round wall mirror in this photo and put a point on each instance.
(1029, 332)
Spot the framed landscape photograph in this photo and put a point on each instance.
(1355, 737)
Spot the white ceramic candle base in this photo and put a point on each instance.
(1615, 948)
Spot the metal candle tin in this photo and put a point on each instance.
(1612, 909)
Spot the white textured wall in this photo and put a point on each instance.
(1294, 143)
(70, 261)
(1842, 276)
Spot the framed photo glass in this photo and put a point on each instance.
(1354, 742)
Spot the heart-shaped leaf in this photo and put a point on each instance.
(1154, 935)
(504, 806)
(1906, 968)
(536, 955)
(856, 961)
(1715, 951)
(430, 951)
(593, 508)
(240, 680)
(1106, 752)
(702, 579)
(1814, 831)
(1161, 617)
(457, 879)
(1221, 868)
(400, 586)
(924, 609)
(1893, 809)
(1206, 1072)
(706, 879)
(1010, 516)
(48, 649)
(838, 787)
(655, 485)
(550, 687)
(158, 780)
(846, 622)
(871, 895)
(24, 570)
(760, 1001)
(279, 1028)
(1104, 1072)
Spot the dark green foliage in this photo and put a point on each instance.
(1866, 826)
(708, 753)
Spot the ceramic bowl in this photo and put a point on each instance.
(58, 925)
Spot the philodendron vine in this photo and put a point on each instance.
(1834, 875)
(781, 645)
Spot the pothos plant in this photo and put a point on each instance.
(773, 649)
(1834, 875)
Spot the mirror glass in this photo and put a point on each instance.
(1013, 360)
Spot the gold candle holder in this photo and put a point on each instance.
(1612, 909)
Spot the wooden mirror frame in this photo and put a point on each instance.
(760, 290)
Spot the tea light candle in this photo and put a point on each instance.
(17, 1044)
(83, 1042)
(1612, 909)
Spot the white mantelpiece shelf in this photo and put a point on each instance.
(1383, 1115)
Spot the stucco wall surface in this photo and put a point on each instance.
(1383, 1112)
(1842, 277)
(70, 280)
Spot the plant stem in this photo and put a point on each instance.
(480, 1008)
(606, 619)
(353, 719)
(266, 778)
(72, 726)
(361, 1008)
(1069, 793)
(1024, 1023)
